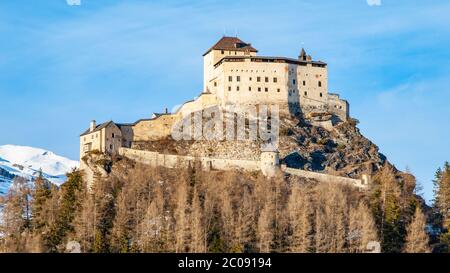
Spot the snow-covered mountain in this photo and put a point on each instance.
(28, 161)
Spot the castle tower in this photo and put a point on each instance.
(270, 161)
(302, 56)
(225, 47)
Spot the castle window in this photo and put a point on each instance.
(321, 95)
(266, 79)
(237, 88)
(215, 84)
(250, 79)
(112, 135)
(293, 81)
(275, 79)
(258, 79)
(320, 84)
(223, 52)
(229, 88)
(340, 107)
(110, 146)
(259, 89)
(304, 83)
(306, 93)
(278, 90)
(249, 88)
(266, 89)
(230, 78)
(238, 78)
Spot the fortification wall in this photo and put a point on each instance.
(154, 129)
(326, 177)
(200, 103)
(338, 106)
(176, 161)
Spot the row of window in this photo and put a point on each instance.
(96, 136)
(258, 79)
(266, 89)
(266, 79)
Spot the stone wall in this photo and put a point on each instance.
(321, 177)
(154, 129)
(208, 163)
(176, 161)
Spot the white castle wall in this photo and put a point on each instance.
(177, 161)
(321, 177)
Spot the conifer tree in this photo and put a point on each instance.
(266, 228)
(362, 229)
(41, 193)
(385, 203)
(300, 213)
(66, 213)
(417, 238)
(442, 203)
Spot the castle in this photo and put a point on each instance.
(233, 75)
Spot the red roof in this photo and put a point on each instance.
(231, 43)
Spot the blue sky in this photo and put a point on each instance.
(61, 65)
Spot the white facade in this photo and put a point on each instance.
(242, 77)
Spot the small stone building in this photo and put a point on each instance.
(105, 138)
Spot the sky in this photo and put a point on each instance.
(63, 65)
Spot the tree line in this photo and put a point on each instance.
(138, 208)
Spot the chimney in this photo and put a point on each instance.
(93, 125)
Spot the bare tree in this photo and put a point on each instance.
(417, 238)
(300, 212)
(362, 229)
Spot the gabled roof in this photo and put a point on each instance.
(231, 43)
(98, 128)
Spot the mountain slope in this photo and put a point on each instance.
(28, 161)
